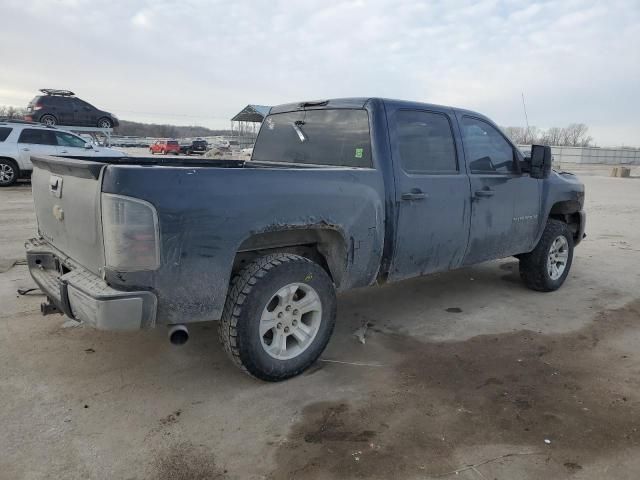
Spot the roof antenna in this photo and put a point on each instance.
(526, 118)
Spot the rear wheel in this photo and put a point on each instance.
(279, 316)
(9, 172)
(48, 120)
(546, 267)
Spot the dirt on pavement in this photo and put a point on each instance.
(554, 397)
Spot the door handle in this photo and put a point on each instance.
(25, 150)
(485, 193)
(415, 194)
(64, 151)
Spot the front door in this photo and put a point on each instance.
(71, 146)
(505, 203)
(432, 193)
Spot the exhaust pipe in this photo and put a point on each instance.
(49, 308)
(178, 334)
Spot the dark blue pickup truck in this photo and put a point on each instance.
(338, 194)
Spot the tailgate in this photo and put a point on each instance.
(66, 194)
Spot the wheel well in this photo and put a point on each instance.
(13, 162)
(324, 246)
(567, 212)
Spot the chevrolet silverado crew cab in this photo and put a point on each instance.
(20, 140)
(338, 194)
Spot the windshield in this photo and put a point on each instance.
(319, 137)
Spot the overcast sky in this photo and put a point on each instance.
(201, 61)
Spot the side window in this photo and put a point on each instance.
(37, 136)
(68, 140)
(4, 133)
(485, 147)
(425, 142)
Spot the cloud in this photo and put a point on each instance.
(200, 61)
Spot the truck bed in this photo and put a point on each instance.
(207, 212)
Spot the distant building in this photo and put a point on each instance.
(246, 123)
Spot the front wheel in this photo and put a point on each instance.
(278, 316)
(546, 267)
(105, 123)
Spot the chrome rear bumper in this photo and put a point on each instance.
(82, 295)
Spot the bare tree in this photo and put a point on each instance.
(12, 112)
(575, 135)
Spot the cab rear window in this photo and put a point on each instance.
(4, 133)
(333, 137)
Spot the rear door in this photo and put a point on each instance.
(505, 206)
(36, 141)
(61, 109)
(432, 192)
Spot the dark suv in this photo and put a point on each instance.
(62, 107)
(198, 147)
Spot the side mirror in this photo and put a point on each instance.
(540, 161)
(88, 146)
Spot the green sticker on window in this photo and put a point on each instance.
(359, 152)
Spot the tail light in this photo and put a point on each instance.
(130, 231)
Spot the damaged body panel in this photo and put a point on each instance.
(371, 190)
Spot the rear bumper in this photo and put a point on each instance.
(84, 296)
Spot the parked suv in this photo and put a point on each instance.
(165, 147)
(19, 140)
(62, 107)
(198, 147)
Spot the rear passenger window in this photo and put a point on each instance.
(37, 136)
(4, 133)
(332, 137)
(486, 149)
(425, 142)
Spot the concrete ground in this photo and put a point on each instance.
(465, 372)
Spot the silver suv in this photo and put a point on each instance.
(20, 140)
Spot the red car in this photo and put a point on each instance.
(165, 147)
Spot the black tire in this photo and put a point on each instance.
(250, 292)
(105, 122)
(534, 269)
(48, 120)
(151, 152)
(9, 172)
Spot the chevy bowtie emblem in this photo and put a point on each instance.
(58, 212)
